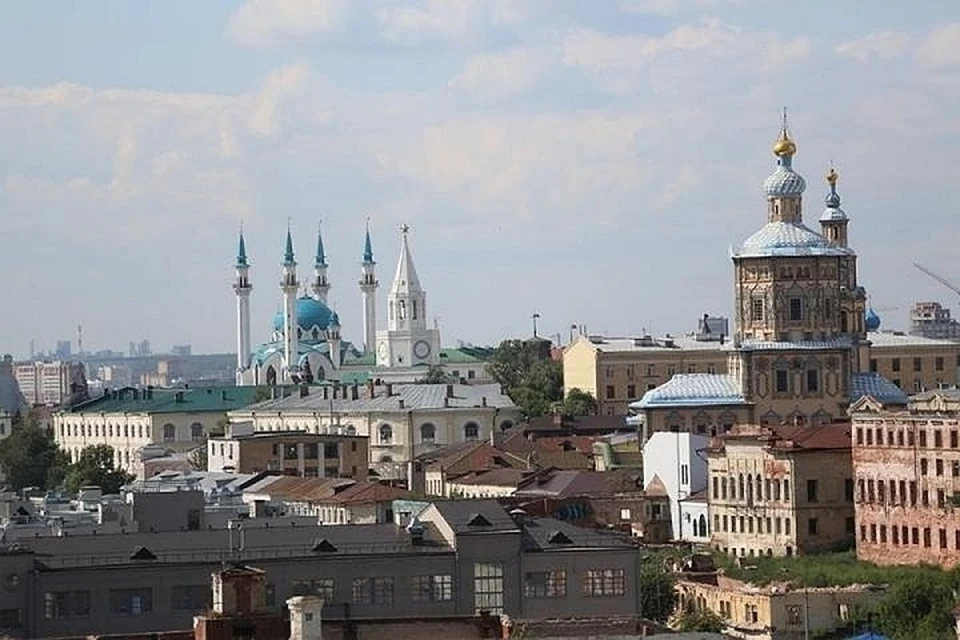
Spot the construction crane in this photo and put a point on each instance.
(940, 279)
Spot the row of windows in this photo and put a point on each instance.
(128, 431)
(939, 364)
(752, 489)
(428, 432)
(311, 450)
(611, 391)
(651, 370)
(902, 492)
(904, 437)
(907, 536)
(751, 524)
(796, 309)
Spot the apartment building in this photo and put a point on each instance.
(50, 383)
(454, 558)
(295, 452)
(907, 468)
(914, 363)
(778, 490)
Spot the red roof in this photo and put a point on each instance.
(370, 493)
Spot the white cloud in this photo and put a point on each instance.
(941, 47)
(880, 46)
(412, 21)
(280, 85)
(673, 7)
(501, 74)
(262, 22)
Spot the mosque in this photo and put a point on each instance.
(306, 344)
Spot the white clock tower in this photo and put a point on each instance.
(407, 342)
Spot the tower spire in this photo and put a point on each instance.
(321, 258)
(320, 286)
(368, 287)
(288, 257)
(242, 288)
(368, 247)
(834, 221)
(242, 250)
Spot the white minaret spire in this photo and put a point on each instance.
(242, 288)
(407, 301)
(320, 286)
(289, 285)
(368, 286)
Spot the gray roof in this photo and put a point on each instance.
(459, 513)
(799, 345)
(550, 534)
(414, 396)
(877, 387)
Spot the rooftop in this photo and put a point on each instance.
(900, 339)
(649, 343)
(163, 400)
(823, 437)
(693, 390)
(877, 387)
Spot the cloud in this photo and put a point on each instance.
(941, 47)
(880, 46)
(501, 74)
(280, 85)
(673, 7)
(415, 21)
(264, 22)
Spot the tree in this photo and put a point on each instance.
(698, 619)
(916, 607)
(533, 382)
(95, 467)
(198, 458)
(658, 599)
(579, 403)
(30, 458)
(436, 375)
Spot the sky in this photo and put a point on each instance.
(592, 162)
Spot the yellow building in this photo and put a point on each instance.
(914, 363)
(776, 611)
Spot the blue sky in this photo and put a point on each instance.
(590, 161)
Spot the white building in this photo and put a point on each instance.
(695, 518)
(678, 460)
(49, 383)
(402, 420)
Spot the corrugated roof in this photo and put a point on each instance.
(799, 345)
(163, 400)
(899, 339)
(877, 387)
(649, 343)
(693, 390)
(369, 493)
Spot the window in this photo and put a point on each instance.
(322, 587)
(471, 431)
(895, 364)
(428, 432)
(488, 587)
(848, 489)
(11, 618)
(191, 597)
(437, 588)
(169, 433)
(938, 439)
(938, 363)
(813, 380)
(611, 392)
(604, 582)
(386, 434)
(796, 309)
(917, 364)
(373, 590)
(684, 474)
(66, 604)
(873, 365)
(813, 527)
(545, 584)
(625, 514)
(783, 381)
(131, 602)
(953, 439)
(812, 490)
(311, 451)
(631, 391)
(196, 432)
(756, 309)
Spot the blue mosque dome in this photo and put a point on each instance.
(310, 313)
(871, 320)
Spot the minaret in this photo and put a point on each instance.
(784, 187)
(368, 286)
(320, 286)
(289, 285)
(333, 340)
(834, 221)
(242, 287)
(407, 304)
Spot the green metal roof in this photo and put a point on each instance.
(466, 355)
(191, 400)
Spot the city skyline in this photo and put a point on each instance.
(540, 152)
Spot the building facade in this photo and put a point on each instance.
(50, 383)
(907, 467)
(679, 461)
(129, 419)
(932, 320)
(781, 490)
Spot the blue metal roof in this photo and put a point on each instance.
(693, 390)
(788, 239)
(367, 248)
(264, 351)
(784, 182)
(310, 313)
(801, 345)
(877, 387)
(242, 253)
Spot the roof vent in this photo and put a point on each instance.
(478, 520)
(142, 553)
(559, 537)
(324, 546)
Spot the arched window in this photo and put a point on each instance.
(740, 491)
(428, 432)
(386, 434)
(271, 376)
(471, 431)
(703, 526)
(506, 424)
(759, 482)
(316, 333)
(196, 432)
(169, 433)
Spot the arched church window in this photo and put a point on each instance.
(386, 434)
(471, 431)
(703, 526)
(428, 432)
(271, 376)
(414, 309)
(401, 309)
(196, 432)
(169, 433)
(316, 333)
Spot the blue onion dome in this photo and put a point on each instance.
(871, 320)
(833, 212)
(311, 313)
(784, 181)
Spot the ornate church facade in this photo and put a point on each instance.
(800, 351)
(306, 344)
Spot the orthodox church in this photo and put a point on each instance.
(306, 344)
(800, 352)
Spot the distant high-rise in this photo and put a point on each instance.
(181, 350)
(932, 320)
(63, 350)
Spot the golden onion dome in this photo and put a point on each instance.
(784, 146)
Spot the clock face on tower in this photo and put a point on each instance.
(382, 350)
(421, 349)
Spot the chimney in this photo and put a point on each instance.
(449, 390)
(355, 392)
(178, 397)
(305, 619)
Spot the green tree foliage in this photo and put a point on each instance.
(698, 619)
(30, 458)
(436, 375)
(658, 598)
(917, 607)
(533, 382)
(95, 467)
(198, 458)
(579, 403)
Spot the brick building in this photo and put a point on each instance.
(781, 490)
(907, 468)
